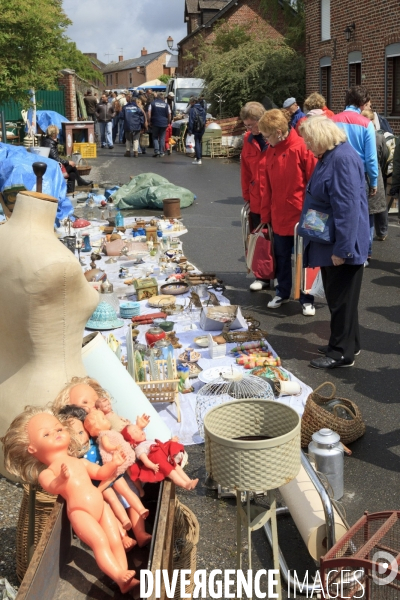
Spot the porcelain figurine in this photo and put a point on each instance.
(158, 460)
(35, 439)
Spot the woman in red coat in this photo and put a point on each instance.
(252, 169)
(288, 167)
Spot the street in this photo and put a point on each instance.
(214, 243)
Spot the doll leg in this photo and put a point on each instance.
(139, 486)
(179, 481)
(109, 522)
(127, 542)
(182, 473)
(142, 537)
(122, 488)
(92, 533)
(110, 496)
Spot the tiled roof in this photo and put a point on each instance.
(192, 6)
(212, 4)
(132, 63)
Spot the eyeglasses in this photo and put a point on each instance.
(251, 126)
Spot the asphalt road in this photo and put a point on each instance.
(214, 243)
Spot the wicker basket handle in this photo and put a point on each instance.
(333, 393)
(349, 412)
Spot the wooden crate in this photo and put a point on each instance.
(51, 569)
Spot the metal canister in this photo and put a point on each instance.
(326, 451)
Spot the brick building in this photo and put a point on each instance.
(136, 71)
(201, 18)
(355, 42)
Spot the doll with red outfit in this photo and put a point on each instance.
(158, 460)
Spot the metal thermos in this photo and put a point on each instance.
(326, 451)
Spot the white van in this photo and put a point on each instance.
(184, 88)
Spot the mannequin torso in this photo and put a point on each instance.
(45, 302)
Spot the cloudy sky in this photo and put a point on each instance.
(107, 26)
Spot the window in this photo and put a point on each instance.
(354, 60)
(392, 80)
(130, 77)
(116, 78)
(325, 20)
(396, 86)
(325, 79)
(111, 79)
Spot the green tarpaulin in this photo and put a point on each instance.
(148, 190)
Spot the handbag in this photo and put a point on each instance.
(190, 143)
(260, 253)
(316, 221)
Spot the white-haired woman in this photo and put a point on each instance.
(50, 141)
(335, 226)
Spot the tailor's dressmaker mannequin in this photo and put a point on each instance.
(45, 302)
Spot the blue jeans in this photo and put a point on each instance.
(106, 133)
(159, 139)
(283, 245)
(197, 144)
(121, 131)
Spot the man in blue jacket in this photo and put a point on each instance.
(294, 111)
(360, 132)
(159, 119)
(134, 122)
(197, 126)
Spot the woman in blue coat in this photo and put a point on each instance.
(335, 225)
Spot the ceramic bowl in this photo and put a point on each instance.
(166, 325)
(129, 309)
(174, 288)
(201, 341)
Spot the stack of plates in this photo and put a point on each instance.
(127, 310)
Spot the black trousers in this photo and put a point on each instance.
(342, 287)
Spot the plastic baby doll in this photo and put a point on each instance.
(35, 439)
(159, 459)
(81, 391)
(109, 441)
(117, 423)
(81, 445)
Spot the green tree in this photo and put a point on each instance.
(72, 58)
(251, 71)
(34, 47)
(164, 78)
(229, 37)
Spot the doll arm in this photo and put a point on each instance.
(50, 482)
(175, 439)
(148, 463)
(106, 471)
(143, 421)
(107, 445)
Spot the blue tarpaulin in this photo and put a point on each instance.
(44, 118)
(16, 169)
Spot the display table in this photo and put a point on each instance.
(187, 327)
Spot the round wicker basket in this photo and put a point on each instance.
(267, 459)
(44, 505)
(186, 537)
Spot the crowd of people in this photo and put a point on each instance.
(122, 118)
(328, 173)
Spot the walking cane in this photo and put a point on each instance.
(298, 263)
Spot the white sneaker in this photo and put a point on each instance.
(308, 310)
(258, 285)
(196, 162)
(277, 302)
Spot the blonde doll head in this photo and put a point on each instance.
(17, 460)
(64, 397)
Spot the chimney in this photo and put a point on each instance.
(143, 51)
(120, 58)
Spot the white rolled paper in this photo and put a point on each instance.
(288, 388)
(306, 509)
